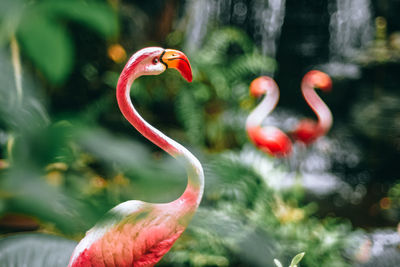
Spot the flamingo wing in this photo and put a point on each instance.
(307, 131)
(127, 237)
(271, 140)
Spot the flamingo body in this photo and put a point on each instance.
(308, 131)
(137, 238)
(268, 138)
(137, 233)
(271, 140)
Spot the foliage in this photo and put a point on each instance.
(390, 204)
(243, 222)
(35, 250)
(40, 28)
(378, 119)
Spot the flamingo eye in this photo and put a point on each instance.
(155, 60)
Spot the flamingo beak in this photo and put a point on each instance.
(176, 59)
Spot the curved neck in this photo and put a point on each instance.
(194, 189)
(318, 106)
(265, 107)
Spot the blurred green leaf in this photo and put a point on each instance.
(35, 250)
(48, 45)
(42, 33)
(96, 15)
(31, 194)
(10, 13)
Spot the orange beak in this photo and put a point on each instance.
(177, 60)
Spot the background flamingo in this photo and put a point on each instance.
(307, 131)
(269, 139)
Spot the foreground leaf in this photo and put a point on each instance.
(98, 16)
(35, 250)
(48, 45)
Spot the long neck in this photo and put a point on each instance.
(194, 189)
(318, 106)
(265, 107)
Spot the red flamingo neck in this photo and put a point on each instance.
(265, 107)
(318, 106)
(194, 190)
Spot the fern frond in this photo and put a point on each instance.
(215, 50)
(191, 116)
(254, 63)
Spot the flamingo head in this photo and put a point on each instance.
(318, 79)
(155, 60)
(260, 85)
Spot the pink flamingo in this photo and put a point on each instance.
(137, 233)
(269, 139)
(308, 131)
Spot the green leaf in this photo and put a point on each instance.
(98, 16)
(296, 259)
(10, 14)
(45, 40)
(48, 45)
(35, 250)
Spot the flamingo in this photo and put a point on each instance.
(308, 131)
(269, 139)
(136, 233)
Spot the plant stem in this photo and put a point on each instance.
(16, 62)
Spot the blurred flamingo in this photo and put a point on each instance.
(308, 131)
(137, 233)
(269, 139)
